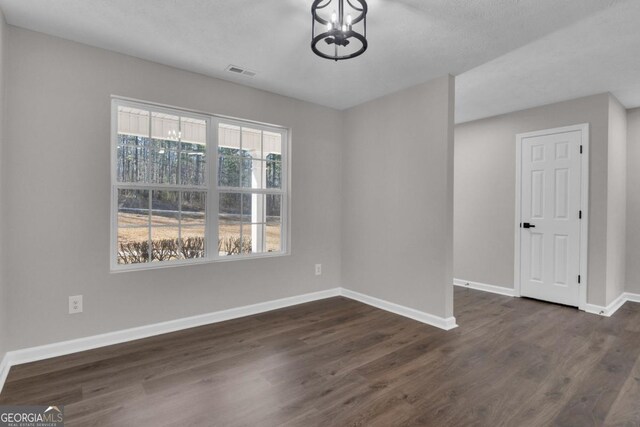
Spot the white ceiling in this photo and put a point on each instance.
(595, 55)
(410, 41)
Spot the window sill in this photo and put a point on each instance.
(123, 268)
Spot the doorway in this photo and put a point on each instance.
(551, 215)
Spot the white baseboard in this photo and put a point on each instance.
(631, 297)
(589, 308)
(420, 316)
(48, 351)
(31, 354)
(613, 306)
(501, 290)
(4, 369)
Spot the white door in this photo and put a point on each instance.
(550, 216)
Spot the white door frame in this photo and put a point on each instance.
(584, 205)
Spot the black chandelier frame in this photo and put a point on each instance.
(335, 34)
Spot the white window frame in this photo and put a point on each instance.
(212, 190)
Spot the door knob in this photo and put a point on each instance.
(527, 225)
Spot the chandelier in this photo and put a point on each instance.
(341, 29)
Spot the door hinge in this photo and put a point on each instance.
(578, 278)
(580, 149)
(579, 214)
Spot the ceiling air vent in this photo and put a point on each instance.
(239, 70)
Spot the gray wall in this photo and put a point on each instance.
(616, 200)
(57, 198)
(4, 304)
(397, 197)
(633, 201)
(484, 194)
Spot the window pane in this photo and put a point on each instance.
(252, 238)
(252, 208)
(193, 207)
(133, 121)
(165, 136)
(237, 212)
(273, 157)
(133, 158)
(133, 226)
(228, 139)
(254, 170)
(272, 145)
(273, 175)
(246, 177)
(193, 151)
(164, 242)
(252, 143)
(194, 131)
(192, 243)
(247, 207)
(165, 127)
(133, 207)
(162, 222)
(165, 207)
(229, 207)
(192, 167)
(164, 163)
(274, 237)
(133, 245)
(229, 171)
(228, 237)
(273, 211)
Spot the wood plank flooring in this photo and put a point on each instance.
(337, 362)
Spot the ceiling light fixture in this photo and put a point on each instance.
(343, 37)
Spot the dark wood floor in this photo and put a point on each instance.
(512, 362)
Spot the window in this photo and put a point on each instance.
(190, 187)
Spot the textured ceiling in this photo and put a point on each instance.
(411, 41)
(598, 54)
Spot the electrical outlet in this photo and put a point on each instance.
(75, 304)
(318, 269)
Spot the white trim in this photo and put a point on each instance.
(584, 206)
(125, 335)
(195, 111)
(600, 310)
(616, 304)
(612, 307)
(196, 261)
(420, 316)
(500, 290)
(631, 297)
(33, 354)
(62, 348)
(4, 369)
(212, 190)
(584, 223)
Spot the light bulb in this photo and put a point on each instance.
(349, 19)
(334, 17)
(329, 26)
(344, 27)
